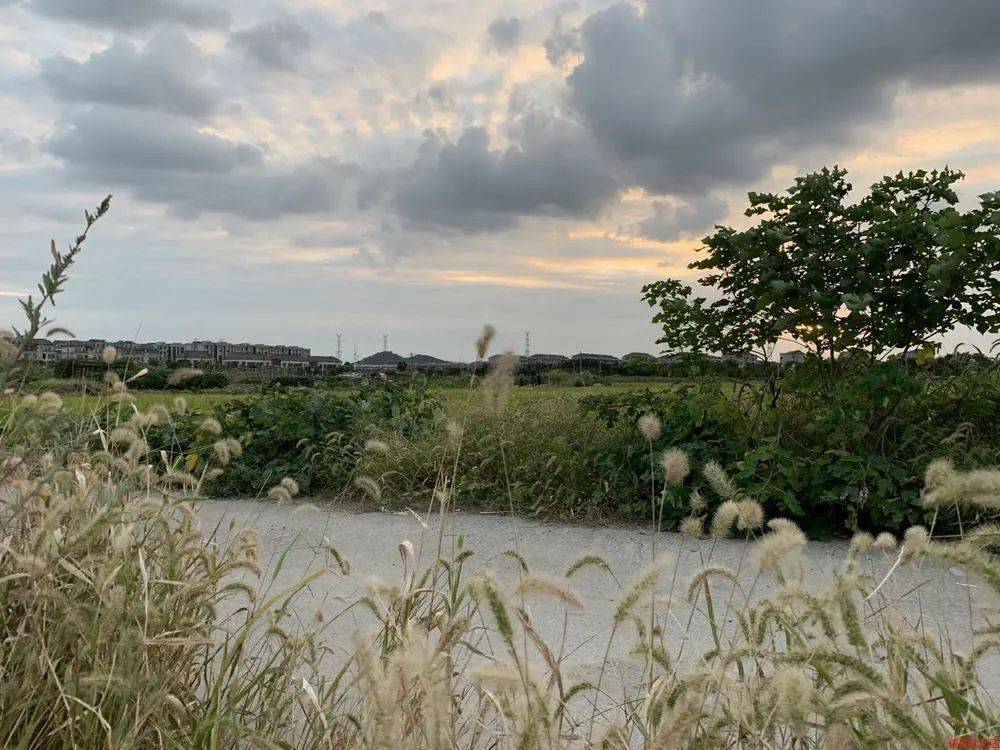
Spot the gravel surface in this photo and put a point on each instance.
(938, 599)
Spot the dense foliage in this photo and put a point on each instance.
(540, 456)
(156, 377)
(889, 271)
(314, 436)
(834, 459)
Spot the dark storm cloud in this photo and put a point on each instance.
(133, 15)
(115, 141)
(277, 43)
(165, 159)
(166, 75)
(552, 169)
(691, 94)
(672, 221)
(504, 33)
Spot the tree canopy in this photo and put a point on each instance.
(888, 271)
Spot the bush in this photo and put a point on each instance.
(541, 456)
(568, 378)
(157, 377)
(314, 436)
(834, 458)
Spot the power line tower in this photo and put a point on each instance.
(385, 342)
(527, 344)
(355, 352)
(338, 346)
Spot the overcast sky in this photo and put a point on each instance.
(287, 170)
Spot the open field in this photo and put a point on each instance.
(200, 401)
(455, 398)
(459, 398)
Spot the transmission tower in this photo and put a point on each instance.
(385, 342)
(338, 345)
(527, 344)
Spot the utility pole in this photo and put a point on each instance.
(338, 346)
(527, 344)
(385, 342)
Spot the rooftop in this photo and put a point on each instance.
(382, 359)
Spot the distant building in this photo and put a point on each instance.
(426, 362)
(548, 360)
(674, 358)
(197, 353)
(292, 361)
(734, 358)
(786, 359)
(594, 359)
(245, 359)
(73, 349)
(742, 358)
(518, 359)
(380, 362)
(324, 362)
(41, 350)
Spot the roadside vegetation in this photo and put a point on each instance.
(126, 624)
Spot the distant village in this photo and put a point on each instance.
(300, 358)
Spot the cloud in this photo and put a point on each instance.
(562, 42)
(277, 43)
(552, 169)
(442, 96)
(134, 15)
(671, 221)
(694, 94)
(165, 159)
(346, 238)
(16, 147)
(165, 75)
(505, 33)
(372, 43)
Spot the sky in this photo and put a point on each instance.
(288, 170)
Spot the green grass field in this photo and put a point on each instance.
(84, 404)
(454, 397)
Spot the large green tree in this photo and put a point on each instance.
(888, 270)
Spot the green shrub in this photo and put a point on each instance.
(314, 435)
(834, 458)
(156, 377)
(568, 378)
(540, 455)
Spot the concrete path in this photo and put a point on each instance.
(939, 599)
